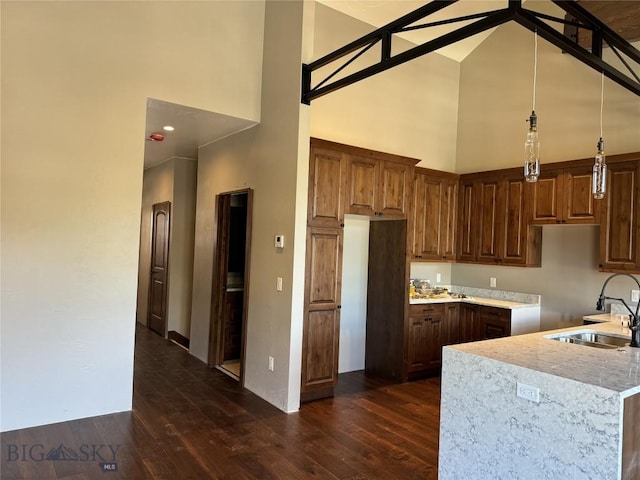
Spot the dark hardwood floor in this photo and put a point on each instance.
(192, 422)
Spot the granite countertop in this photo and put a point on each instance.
(616, 370)
(491, 302)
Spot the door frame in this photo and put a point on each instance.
(217, 284)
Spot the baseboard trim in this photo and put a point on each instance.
(176, 337)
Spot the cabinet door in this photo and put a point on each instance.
(619, 228)
(488, 220)
(327, 170)
(547, 192)
(468, 323)
(428, 195)
(321, 329)
(363, 180)
(435, 332)
(466, 223)
(494, 322)
(393, 191)
(451, 327)
(417, 347)
(449, 208)
(513, 232)
(579, 204)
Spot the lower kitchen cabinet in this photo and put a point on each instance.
(431, 326)
(493, 322)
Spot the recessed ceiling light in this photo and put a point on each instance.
(168, 128)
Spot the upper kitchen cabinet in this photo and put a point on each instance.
(563, 195)
(378, 184)
(435, 196)
(492, 226)
(327, 177)
(619, 229)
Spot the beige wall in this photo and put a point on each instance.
(410, 110)
(183, 212)
(172, 181)
(76, 76)
(272, 159)
(495, 100)
(568, 281)
(496, 82)
(157, 186)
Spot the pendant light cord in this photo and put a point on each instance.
(601, 101)
(535, 67)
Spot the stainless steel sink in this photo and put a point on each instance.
(591, 339)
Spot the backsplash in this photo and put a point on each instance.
(489, 293)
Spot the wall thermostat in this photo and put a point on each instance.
(279, 241)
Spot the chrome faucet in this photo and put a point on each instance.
(634, 324)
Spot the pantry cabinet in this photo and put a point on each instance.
(434, 210)
(327, 179)
(321, 325)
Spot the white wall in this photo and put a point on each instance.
(353, 315)
(76, 76)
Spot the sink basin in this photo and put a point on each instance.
(591, 339)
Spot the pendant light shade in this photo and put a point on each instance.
(532, 143)
(599, 180)
(532, 151)
(599, 175)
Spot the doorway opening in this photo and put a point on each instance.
(230, 287)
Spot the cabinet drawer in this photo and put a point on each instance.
(423, 309)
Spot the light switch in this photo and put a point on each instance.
(279, 284)
(279, 241)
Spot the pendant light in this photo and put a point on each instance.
(599, 178)
(532, 143)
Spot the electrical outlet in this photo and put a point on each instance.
(635, 296)
(492, 282)
(528, 392)
(271, 364)
(438, 278)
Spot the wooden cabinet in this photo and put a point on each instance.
(327, 177)
(493, 322)
(564, 196)
(425, 338)
(480, 322)
(469, 326)
(434, 216)
(492, 226)
(620, 227)
(387, 296)
(378, 187)
(321, 326)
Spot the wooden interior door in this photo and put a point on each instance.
(230, 285)
(157, 311)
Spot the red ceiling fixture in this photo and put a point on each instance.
(156, 137)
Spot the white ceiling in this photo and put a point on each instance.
(193, 128)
